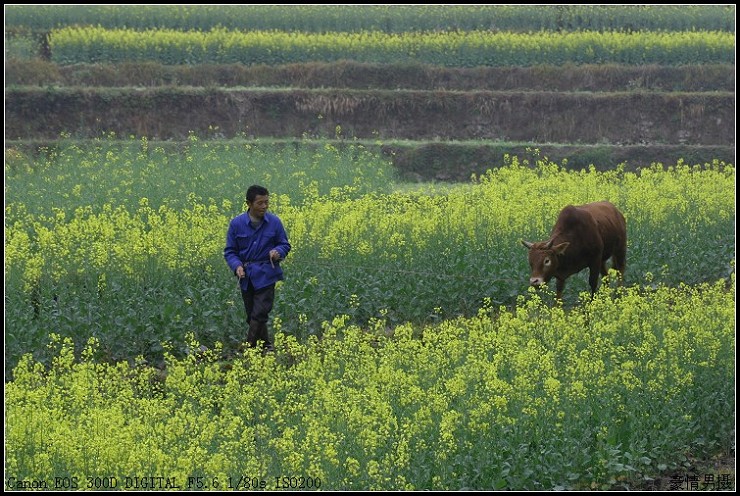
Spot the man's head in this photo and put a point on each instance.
(258, 200)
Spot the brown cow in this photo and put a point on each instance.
(583, 236)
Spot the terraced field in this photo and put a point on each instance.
(407, 167)
(435, 120)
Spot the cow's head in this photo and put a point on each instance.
(543, 260)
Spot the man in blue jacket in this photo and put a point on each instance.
(255, 243)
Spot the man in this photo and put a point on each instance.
(256, 241)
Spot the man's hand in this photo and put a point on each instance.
(240, 272)
(274, 255)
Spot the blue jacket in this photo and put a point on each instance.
(251, 247)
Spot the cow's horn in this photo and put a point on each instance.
(527, 244)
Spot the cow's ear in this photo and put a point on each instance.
(560, 249)
(527, 244)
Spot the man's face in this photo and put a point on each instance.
(259, 205)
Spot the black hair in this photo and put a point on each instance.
(254, 191)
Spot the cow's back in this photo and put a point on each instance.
(594, 231)
(611, 225)
(577, 226)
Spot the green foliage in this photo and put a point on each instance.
(386, 18)
(128, 173)
(20, 47)
(530, 398)
(410, 352)
(137, 259)
(449, 49)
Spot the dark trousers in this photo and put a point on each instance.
(258, 305)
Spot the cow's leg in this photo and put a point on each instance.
(559, 287)
(593, 275)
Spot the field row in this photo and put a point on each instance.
(418, 161)
(387, 18)
(115, 244)
(76, 45)
(607, 396)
